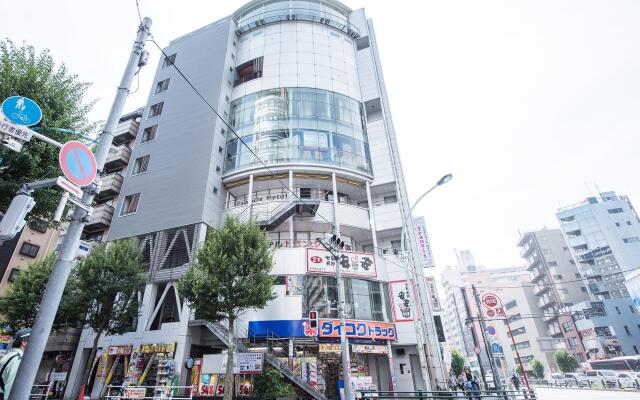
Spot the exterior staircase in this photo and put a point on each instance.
(270, 215)
(222, 333)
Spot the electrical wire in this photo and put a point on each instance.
(229, 127)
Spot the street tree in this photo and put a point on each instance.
(538, 368)
(20, 304)
(457, 362)
(105, 286)
(60, 94)
(565, 361)
(271, 384)
(230, 275)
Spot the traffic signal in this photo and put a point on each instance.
(14, 219)
(313, 319)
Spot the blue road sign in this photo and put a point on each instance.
(21, 110)
(496, 348)
(77, 163)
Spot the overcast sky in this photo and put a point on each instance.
(530, 104)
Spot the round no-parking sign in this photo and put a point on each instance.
(78, 163)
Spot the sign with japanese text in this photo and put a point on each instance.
(424, 246)
(120, 350)
(195, 376)
(159, 348)
(58, 376)
(134, 392)
(16, 131)
(358, 329)
(330, 348)
(243, 363)
(402, 300)
(369, 348)
(433, 293)
(351, 264)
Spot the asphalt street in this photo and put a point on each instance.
(584, 394)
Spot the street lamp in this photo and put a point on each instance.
(410, 273)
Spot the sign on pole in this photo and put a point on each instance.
(21, 110)
(496, 348)
(69, 187)
(7, 128)
(490, 300)
(78, 163)
(491, 330)
(11, 143)
(477, 350)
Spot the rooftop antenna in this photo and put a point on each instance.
(588, 189)
(597, 188)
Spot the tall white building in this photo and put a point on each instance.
(309, 147)
(603, 234)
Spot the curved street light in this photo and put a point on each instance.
(411, 273)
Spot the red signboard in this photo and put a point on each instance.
(490, 300)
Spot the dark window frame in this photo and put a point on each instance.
(26, 249)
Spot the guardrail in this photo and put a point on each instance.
(523, 394)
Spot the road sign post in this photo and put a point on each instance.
(21, 110)
(62, 267)
(78, 163)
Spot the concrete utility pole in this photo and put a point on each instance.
(483, 328)
(64, 262)
(469, 319)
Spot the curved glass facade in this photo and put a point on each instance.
(298, 125)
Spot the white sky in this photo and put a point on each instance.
(525, 102)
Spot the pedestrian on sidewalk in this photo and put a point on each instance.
(10, 362)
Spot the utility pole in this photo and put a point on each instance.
(483, 327)
(64, 262)
(469, 320)
(524, 372)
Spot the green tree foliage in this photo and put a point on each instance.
(60, 95)
(565, 361)
(538, 368)
(271, 383)
(230, 275)
(457, 362)
(20, 304)
(105, 287)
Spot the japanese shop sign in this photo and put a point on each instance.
(330, 348)
(351, 264)
(135, 392)
(358, 329)
(369, 348)
(424, 246)
(158, 348)
(433, 293)
(402, 299)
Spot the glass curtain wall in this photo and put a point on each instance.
(298, 125)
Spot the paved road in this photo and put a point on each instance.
(582, 394)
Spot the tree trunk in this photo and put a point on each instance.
(92, 356)
(228, 378)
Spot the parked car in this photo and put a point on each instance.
(628, 379)
(576, 379)
(605, 377)
(557, 380)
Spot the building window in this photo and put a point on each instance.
(557, 277)
(510, 305)
(618, 310)
(626, 330)
(584, 289)
(517, 331)
(248, 71)
(140, 165)
(220, 149)
(149, 133)
(563, 290)
(628, 222)
(362, 43)
(130, 204)
(565, 248)
(632, 309)
(522, 345)
(156, 109)
(223, 132)
(578, 275)
(390, 199)
(634, 239)
(615, 210)
(169, 60)
(14, 274)
(215, 190)
(635, 348)
(617, 223)
(29, 250)
(162, 86)
(218, 169)
(39, 225)
(567, 326)
(553, 264)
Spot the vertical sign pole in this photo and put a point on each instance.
(467, 308)
(62, 267)
(483, 327)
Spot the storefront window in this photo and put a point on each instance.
(365, 300)
(297, 125)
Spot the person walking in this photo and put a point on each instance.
(516, 381)
(471, 385)
(10, 362)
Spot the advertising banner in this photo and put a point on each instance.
(433, 293)
(351, 264)
(159, 348)
(369, 348)
(424, 246)
(243, 363)
(359, 329)
(402, 301)
(119, 350)
(330, 348)
(135, 392)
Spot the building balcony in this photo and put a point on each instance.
(550, 315)
(118, 157)
(526, 250)
(111, 185)
(546, 301)
(100, 219)
(541, 288)
(550, 344)
(554, 330)
(125, 132)
(537, 274)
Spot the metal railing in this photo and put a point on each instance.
(523, 394)
(118, 392)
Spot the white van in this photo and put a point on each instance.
(605, 377)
